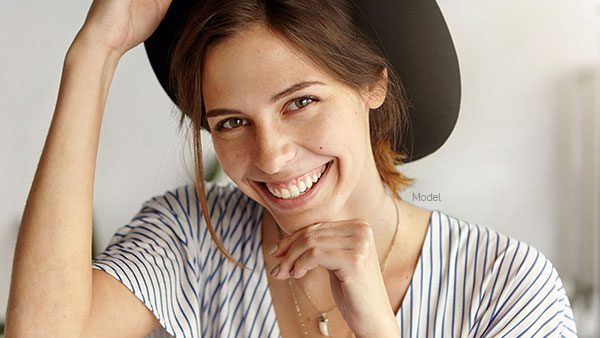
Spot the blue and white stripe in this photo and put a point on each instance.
(470, 281)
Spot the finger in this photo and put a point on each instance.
(340, 228)
(332, 259)
(307, 244)
(287, 241)
(305, 263)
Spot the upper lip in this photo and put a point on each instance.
(294, 177)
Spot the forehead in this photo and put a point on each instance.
(253, 65)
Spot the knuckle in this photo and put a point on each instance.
(316, 225)
(359, 222)
(313, 228)
(365, 231)
(356, 260)
(364, 243)
(312, 241)
(314, 253)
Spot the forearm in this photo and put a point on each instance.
(52, 278)
(387, 329)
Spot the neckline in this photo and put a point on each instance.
(261, 265)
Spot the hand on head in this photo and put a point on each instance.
(120, 25)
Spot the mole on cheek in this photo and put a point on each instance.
(321, 148)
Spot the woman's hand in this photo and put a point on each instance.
(347, 250)
(120, 25)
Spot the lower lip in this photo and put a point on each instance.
(300, 201)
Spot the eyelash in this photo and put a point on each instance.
(220, 126)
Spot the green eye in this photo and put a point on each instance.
(231, 123)
(303, 100)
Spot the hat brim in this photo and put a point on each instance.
(414, 37)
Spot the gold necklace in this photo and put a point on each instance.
(323, 320)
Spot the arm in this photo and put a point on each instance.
(54, 241)
(53, 290)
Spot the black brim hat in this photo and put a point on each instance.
(414, 37)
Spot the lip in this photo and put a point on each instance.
(298, 202)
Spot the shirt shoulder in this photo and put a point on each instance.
(165, 254)
(508, 286)
(181, 209)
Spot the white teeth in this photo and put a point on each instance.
(301, 186)
(292, 190)
(308, 181)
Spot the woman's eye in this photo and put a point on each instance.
(231, 123)
(234, 122)
(303, 101)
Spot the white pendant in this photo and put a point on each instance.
(323, 325)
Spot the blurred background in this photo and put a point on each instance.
(523, 159)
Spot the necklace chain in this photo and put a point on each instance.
(323, 318)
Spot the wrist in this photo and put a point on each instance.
(387, 334)
(84, 44)
(389, 329)
(88, 69)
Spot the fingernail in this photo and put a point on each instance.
(272, 249)
(275, 270)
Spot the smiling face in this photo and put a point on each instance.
(291, 137)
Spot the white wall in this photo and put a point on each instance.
(501, 165)
(514, 161)
(500, 168)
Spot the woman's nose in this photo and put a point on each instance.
(274, 149)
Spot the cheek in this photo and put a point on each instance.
(337, 131)
(231, 157)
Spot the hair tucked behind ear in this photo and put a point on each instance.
(327, 33)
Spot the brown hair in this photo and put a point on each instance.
(328, 34)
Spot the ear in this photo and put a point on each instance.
(375, 93)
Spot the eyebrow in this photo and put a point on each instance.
(291, 89)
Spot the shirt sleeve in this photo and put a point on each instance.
(155, 256)
(534, 305)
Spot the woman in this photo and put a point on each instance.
(325, 244)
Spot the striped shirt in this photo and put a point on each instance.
(469, 281)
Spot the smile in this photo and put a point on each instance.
(297, 186)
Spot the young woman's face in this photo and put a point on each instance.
(288, 135)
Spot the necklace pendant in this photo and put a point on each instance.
(323, 325)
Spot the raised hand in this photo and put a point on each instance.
(121, 25)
